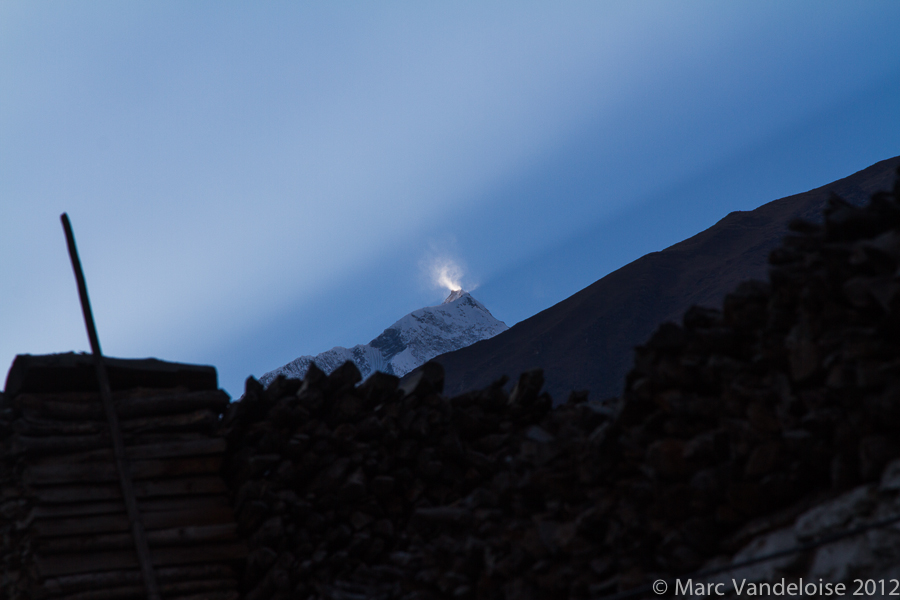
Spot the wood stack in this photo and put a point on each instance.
(67, 536)
(737, 418)
(375, 491)
(335, 483)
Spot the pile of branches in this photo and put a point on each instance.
(731, 424)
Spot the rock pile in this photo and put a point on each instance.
(731, 425)
(861, 562)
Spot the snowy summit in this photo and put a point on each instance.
(457, 322)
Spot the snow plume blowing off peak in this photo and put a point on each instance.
(447, 274)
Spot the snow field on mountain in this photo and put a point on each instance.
(416, 338)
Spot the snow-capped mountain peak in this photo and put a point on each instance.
(455, 295)
(413, 340)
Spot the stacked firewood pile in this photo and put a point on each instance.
(372, 491)
(11, 505)
(336, 484)
(731, 424)
(734, 421)
(65, 533)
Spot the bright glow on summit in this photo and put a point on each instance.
(447, 274)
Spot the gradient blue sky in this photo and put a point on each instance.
(250, 182)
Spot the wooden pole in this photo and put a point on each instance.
(141, 546)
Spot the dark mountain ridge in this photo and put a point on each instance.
(586, 341)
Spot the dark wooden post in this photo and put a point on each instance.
(134, 516)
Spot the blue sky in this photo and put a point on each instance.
(249, 183)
